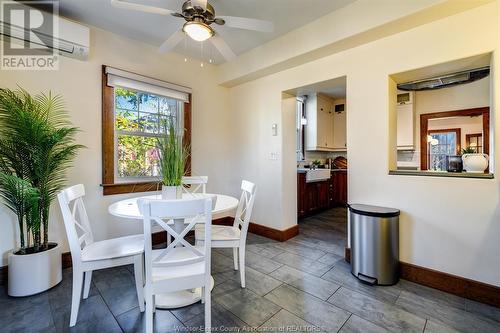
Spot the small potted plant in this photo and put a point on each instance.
(473, 161)
(36, 147)
(172, 160)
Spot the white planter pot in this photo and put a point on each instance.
(171, 192)
(31, 274)
(475, 163)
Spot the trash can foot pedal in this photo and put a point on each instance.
(367, 279)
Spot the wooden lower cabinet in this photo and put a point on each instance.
(339, 191)
(317, 196)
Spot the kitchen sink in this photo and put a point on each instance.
(316, 175)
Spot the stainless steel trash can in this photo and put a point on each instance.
(374, 244)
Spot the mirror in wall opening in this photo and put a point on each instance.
(443, 119)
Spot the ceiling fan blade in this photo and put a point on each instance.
(248, 23)
(199, 3)
(223, 48)
(171, 42)
(141, 8)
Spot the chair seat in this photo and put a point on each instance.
(219, 233)
(114, 248)
(178, 254)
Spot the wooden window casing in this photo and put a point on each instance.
(110, 186)
(424, 125)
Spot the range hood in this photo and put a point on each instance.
(447, 80)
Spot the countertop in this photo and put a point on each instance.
(304, 170)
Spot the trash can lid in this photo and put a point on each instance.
(374, 210)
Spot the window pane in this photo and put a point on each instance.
(443, 144)
(137, 156)
(126, 120)
(148, 122)
(125, 99)
(148, 103)
(168, 106)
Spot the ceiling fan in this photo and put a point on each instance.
(199, 16)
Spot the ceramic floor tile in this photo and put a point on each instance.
(357, 324)
(301, 249)
(260, 263)
(341, 274)
(133, 321)
(302, 263)
(311, 309)
(93, 316)
(433, 327)
(306, 282)
(256, 281)
(482, 309)
(222, 321)
(285, 321)
(248, 306)
(446, 315)
(120, 299)
(432, 294)
(385, 315)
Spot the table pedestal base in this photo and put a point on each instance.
(179, 299)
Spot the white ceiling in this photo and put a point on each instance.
(154, 29)
(335, 88)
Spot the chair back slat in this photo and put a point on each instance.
(194, 184)
(245, 207)
(76, 221)
(164, 213)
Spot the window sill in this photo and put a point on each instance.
(441, 174)
(135, 187)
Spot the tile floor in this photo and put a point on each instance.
(300, 285)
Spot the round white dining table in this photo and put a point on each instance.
(128, 209)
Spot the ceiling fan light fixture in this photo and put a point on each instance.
(198, 31)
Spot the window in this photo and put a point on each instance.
(301, 122)
(139, 120)
(442, 143)
(474, 141)
(136, 110)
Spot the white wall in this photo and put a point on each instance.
(443, 226)
(467, 125)
(79, 82)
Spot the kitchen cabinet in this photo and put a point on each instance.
(339, 126)
(339, 183)
(317, 196)
(319, 128)
(405, 112)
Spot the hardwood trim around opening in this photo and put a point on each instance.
(424, 125)
(108, 145)
(453, 284)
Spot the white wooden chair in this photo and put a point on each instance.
(88, 255)
(181, 265)
(234, 236)
(193, 184)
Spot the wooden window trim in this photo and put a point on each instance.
(473, 135)
(424, 125)
(108, 145)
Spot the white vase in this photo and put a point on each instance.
(31, 274)
(171, 192)
(475, 163)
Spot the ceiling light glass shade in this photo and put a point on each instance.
(198, 31)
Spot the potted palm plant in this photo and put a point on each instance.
(36, 147)
(172, 159)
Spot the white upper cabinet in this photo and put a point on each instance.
(319, 128)
(326, 129)
(339, 125)
(405, 110)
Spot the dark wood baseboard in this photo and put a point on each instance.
(161, 237)
(453, 284)
(3, 275)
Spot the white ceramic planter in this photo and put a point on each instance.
(171, 192)
(31, 274)
(475, 163)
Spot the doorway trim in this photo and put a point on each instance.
(424, 128)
